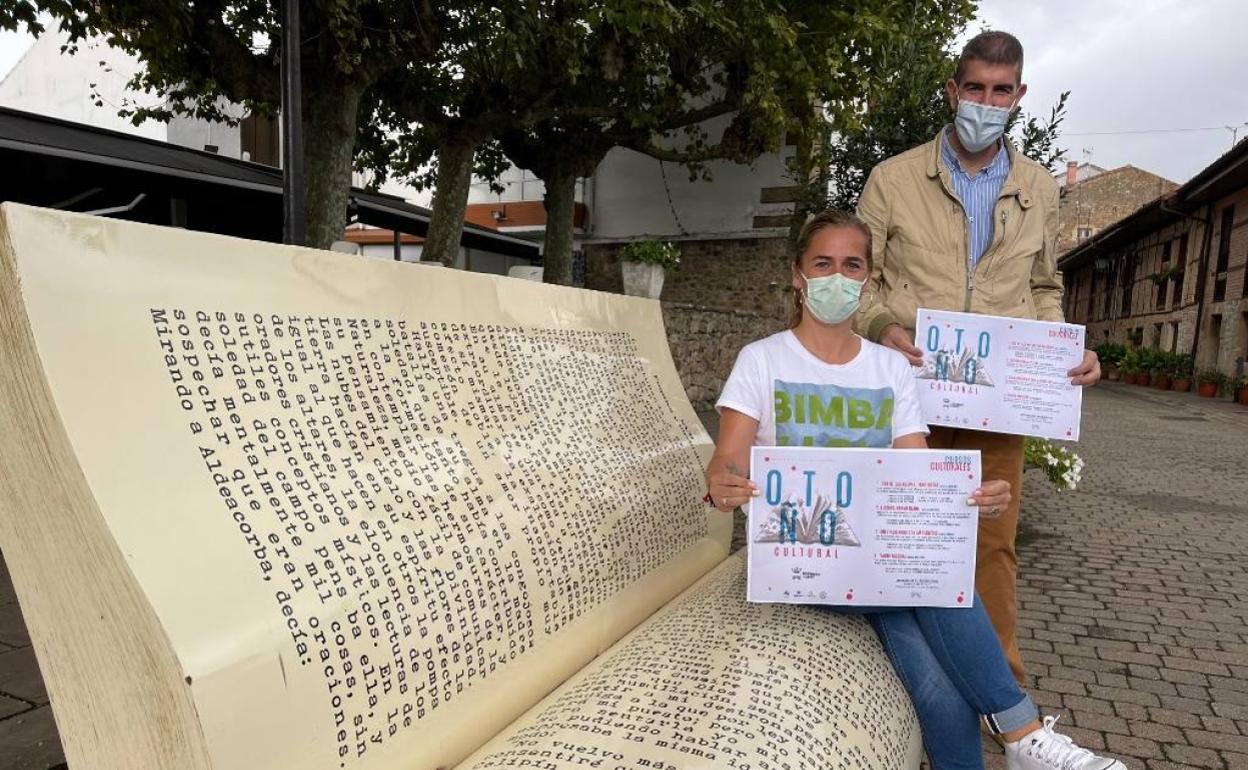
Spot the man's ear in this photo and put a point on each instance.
(951, 93)
(1019, 94)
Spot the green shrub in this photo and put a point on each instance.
(652, 253)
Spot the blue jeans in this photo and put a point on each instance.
(950, 661)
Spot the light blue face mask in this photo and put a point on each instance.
(979, 125)
(832, 298)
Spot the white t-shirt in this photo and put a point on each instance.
(800, 400)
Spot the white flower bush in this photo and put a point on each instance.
(1061, 466)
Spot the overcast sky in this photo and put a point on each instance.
(1130, 65)
(1135, 65)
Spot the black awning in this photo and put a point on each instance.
(58, 164)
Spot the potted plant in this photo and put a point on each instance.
(1181, 373)
(644, 263)
(1110, 355)
(1240, 389)
(1144, 373)
(1161, 366)
(1209, 381)
(1129, 365)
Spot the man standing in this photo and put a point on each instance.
(966, 223)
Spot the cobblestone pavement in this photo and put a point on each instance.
(1133, 592)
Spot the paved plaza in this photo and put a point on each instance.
(1134, 593)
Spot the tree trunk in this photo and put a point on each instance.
(446, 225)
(560, 210)
(329, 119)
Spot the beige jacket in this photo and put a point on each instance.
(920, 249)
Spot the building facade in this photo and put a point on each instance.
(1093, 198)
(1171, 275)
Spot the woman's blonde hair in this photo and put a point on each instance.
(822, 221)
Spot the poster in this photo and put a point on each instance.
(1003, 375)
(864, 527)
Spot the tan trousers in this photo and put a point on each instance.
(996, 563)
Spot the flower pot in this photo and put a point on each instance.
(1129, 378)
(642, 279)
(1161, 381)
(1113, 374)
(1181, 384)
(1207, 389)
(1242, 398)
(1144, 378)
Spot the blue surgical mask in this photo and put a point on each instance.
(979, 125)
(832, 298)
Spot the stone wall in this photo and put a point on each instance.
(725, 294)
(744, 274)
(705, 343)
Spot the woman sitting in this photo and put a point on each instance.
(949, 659)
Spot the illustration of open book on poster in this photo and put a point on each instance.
(271, 507)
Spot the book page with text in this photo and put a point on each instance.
(713, 682)
(378, 509)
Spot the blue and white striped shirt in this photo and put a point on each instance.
(978, 195)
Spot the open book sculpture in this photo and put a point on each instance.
(270, 507)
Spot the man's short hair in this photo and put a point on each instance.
(992, 47)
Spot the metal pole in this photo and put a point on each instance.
(294, 230)
(398, 246)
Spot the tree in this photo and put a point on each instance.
(510, 62)
(197, 54)
(771, 67)
(903, 103)
(656, 69)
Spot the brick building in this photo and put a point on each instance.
(1093, 198)
(1171, 275)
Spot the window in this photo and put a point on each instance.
(1127, 283)
(1174, 337)
(1108, 291)
(1163, 282)
(1177, 297)
(1083, 233)
(1224, 253)
(1224, 238)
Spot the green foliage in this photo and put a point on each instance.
(901, 103)
(652, 253)
(1130, 362)
(1037, 139)
(1110, 353)
(1211, 376)
(1181, 366)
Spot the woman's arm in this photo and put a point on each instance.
(992, 497)
(727, 474)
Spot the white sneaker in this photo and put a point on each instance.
(1044, 749)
